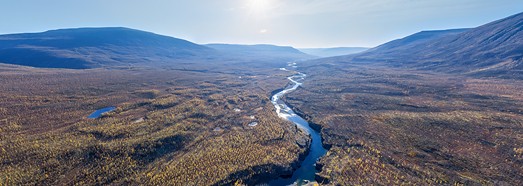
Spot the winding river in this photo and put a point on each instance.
(307, 170)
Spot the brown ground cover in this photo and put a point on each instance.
(390, 126)
(171, 127)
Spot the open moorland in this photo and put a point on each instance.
(392, 126)
(442, 107)
(170, 127)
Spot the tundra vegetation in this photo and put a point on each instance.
(170, 127)
(391, 126)
(388, 116)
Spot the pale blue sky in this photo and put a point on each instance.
(299, 23)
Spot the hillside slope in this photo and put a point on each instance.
(494, 49)
(409, 45)
(95, 47)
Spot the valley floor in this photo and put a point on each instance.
(389, 126)
(380, 125)
(170, 127)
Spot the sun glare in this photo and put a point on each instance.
(258, 6)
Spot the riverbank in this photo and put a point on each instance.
(306, 173)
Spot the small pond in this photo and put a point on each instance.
(98, 113)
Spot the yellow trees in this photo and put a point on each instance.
(414, 128)
(174, 143)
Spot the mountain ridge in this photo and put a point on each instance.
(494, 49)
(82, 48)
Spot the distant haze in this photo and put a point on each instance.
(299, 23)
(329, 52)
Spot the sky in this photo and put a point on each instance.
(298, 23)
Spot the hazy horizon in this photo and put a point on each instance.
(301, 24)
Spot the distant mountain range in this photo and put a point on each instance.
(261, 51)
(494, 49)
(330, 52)
(84, 48)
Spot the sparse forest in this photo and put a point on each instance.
(170, 128)
(389, 126)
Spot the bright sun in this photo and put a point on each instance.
(258, 6)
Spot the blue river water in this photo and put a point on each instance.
(307, 171)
